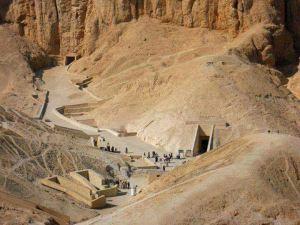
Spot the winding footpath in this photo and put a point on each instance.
(63, 92)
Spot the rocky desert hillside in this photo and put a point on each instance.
(166, 70)
(18, 62)
(252, 180)
(63, 26)
(159, 49)
(30, 151)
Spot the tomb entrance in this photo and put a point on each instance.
(69, 60)
(201, 142)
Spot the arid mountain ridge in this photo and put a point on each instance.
(64, 26)
(172, 71)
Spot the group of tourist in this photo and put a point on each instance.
(152, 154)
(109, 148)
(155, 155)
(168, 157)
(123, 184)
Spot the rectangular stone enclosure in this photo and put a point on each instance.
(95, 182)
(75, 190)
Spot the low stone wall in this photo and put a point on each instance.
(109, 192)
(98, 203)
(53, 183)
(96, 179)
(88, 178)
(84, 181)
(86, 129)
(43, 107)
(95, 182)
(75, 187)
(85, 186)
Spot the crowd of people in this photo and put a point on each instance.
(166, 159)
(155, 155)
(124, 184)
(108, 147)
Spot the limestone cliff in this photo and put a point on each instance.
(63, 26)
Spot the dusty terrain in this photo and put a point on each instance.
(161, 68)
(18, 61)
(144, 55)
(18, 211)
(145, 81)
(252, 180)
(10, 214)
(30, 150)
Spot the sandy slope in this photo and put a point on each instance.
(162, 81)
(11, 214)
(18, 58)
(14, 210)
(253, 180)
(159, 78)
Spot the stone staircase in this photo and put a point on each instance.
(77, 110)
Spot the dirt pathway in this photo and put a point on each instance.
(63, 92)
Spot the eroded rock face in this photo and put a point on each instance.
(64, 26)
(266, 44)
